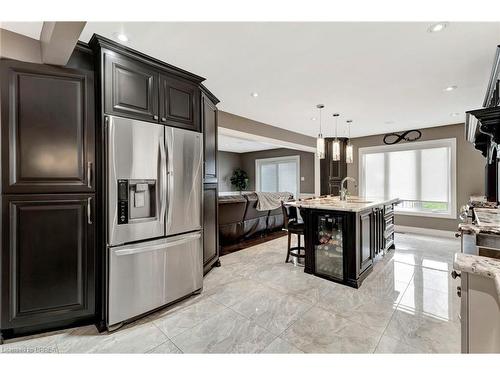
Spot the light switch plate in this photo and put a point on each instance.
(302, 178)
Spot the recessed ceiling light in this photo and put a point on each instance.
(254, 94)
(450, 88)
(437, 27)
(389, 122)
(122, 37)
(313, 118)
(455, 114)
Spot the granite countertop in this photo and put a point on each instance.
(333, 203)
(478, 265)
(487, 217)
(468, 227)
(487, 221)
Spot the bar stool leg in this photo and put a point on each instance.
(288, 248)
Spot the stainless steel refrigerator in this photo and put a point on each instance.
(154, 214)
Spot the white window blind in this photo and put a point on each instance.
(278, 174)
(421, 174)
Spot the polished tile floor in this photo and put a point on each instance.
(255, 303)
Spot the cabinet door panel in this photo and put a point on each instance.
(131, 88)
(49, 133)
(364, 241)
(210, 226)
(179, 103)
(209, 120)
(48, 259)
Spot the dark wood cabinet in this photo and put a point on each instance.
(332, 172)
(378, 226)
(49, 191)
(365, 243)
(179, 103)
(48, 129)
(388, 227)
(209, 122)
(130, 88)
(210, 227)
(375, 235)
(48, 261)
(141, 87)
(341, 246)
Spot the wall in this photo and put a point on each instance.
(19, 47)
(227, 162)
(470, 172)
(306, 165)
(245, 125)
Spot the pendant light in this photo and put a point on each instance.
(349, 152)
(320, 141)
(336, 142)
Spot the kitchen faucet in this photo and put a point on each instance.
(343, 191)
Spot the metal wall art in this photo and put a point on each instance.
(408, 136)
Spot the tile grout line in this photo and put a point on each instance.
(187, 329)
(168, 340)
(393, 313)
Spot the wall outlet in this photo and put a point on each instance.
(302, 178)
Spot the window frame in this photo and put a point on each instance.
(276, 160)
(420, 145)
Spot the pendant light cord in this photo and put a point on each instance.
(319, 120)
(336, 124)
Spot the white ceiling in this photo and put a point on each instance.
(383, 76)
(239, 145)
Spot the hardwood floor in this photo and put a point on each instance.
(251, 242)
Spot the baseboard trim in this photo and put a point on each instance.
(427, 231)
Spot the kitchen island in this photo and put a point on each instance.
(343, 237)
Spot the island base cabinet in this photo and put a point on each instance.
(48, 262)
(479, 314)
(365, 241)
(341, 246)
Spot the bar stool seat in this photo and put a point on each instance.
(293, 226)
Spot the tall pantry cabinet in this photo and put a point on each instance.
(48, 197)
(209, 118)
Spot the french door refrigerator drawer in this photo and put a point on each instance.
(148, 275)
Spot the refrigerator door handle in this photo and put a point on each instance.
(170, 174)
(162, 246)
(163, 180)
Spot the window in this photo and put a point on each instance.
(278, 174)
(421, 174)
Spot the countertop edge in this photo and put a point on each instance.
(304, 205)
(479, 265)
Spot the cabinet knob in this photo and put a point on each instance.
(455, 274)
(163, 119)
(459, 291)
(155, 117)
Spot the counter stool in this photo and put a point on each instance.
(293, 226)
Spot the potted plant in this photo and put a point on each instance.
(239, 179)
